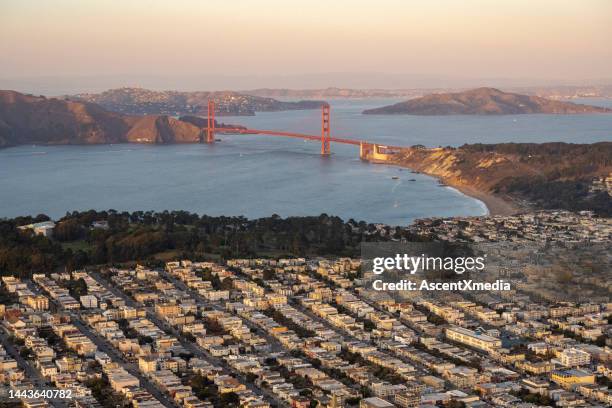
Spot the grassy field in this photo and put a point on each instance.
(170, 255)
(77, 245)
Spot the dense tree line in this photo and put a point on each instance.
(569, 195)
(138, 236)
(24, 253)
(561, 174)
(555, 161)
(600, 152)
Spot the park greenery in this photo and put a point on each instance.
(153, 237)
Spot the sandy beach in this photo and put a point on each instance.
(496, 205)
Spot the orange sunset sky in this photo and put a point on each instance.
(519, 39)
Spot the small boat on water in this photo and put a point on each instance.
(412, 180)
(395, 178)
(415, 172)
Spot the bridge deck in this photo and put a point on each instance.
(286, 134)
(299, 136)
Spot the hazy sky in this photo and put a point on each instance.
(516, 39)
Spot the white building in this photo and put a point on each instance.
(574, 358)
(89, 301)
(40, 228)
(375, 402)
(473, 339)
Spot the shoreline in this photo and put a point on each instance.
(495, 204)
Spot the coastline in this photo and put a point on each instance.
(495, 204)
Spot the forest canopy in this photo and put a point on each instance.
(147, 236)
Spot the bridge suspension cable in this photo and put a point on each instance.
(365, 147)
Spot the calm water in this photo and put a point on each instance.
(261, 175)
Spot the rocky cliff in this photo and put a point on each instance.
(548, 175)
(28, 119)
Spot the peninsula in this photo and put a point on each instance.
(140, 101)
(28, 119)
(511, 177)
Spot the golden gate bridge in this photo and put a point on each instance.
(367, 150)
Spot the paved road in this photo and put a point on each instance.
(275, 345)
(31, 372)
(271, 340)
(192, 347)
(108, 348)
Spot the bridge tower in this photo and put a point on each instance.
(210, 130)
(325, 132)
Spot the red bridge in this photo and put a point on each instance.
(367, 150)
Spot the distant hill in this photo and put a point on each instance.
(549, 91)
(333, 92)
(558, 92)
(483, 101)
(139, 101)
(28, 119)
